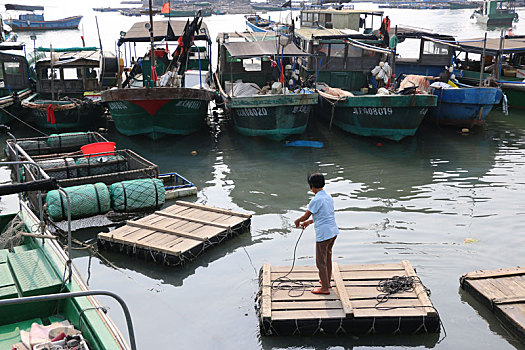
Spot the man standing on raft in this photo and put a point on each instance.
(321, 207)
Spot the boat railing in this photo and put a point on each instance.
(71, 295)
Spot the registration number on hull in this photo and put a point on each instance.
(252, 112)
(373, 111)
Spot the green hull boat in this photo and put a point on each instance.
(392, 117)
(157, 112)
(272, 116)
(35, 268)
(77, 115)
(10, 105)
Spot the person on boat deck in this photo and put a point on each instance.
(321, 208)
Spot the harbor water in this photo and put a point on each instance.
(449, 202)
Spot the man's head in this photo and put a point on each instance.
(316, 180)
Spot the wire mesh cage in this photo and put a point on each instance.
(53, 144)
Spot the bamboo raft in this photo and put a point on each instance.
(352, 306)
(177, 234)
(503, 291)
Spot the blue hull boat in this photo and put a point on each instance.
(40, 24)
(464, 106)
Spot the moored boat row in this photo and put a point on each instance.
(269, 82)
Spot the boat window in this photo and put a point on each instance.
(328, 17)
(71, 73)
(316, 17)
(12, 67)
(432, 48)
(252, 64)
(354, 51)
(1, 74)
(46, 73)
(337, 50)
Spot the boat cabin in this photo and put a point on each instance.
(31, 17)
(340, 19)
(168, 32)
(14, 70)
(71, 73)
(252, 57)
(495, 7)
(432, 52)
(335, 60)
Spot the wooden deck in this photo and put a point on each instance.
(177, 234)
(503, 291)
(351, 307)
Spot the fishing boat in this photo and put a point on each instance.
(202, 9)
(357, 20)
(497, 62)
(458, 104)
(496, 13)
(266, 7)
(68, 83)
(172, 98)
(346, 100)
(256, 23)
(458, 5)
(44, 300)
(14, 81)
(463, 106)
(276, 111)
(33, 21)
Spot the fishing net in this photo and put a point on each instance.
(12, 236)
(61, 168)
(101, 165)
(139, 194)
(69, 139)
(86, 200)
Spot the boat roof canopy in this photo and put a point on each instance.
(344, 11)
(167, 30)
(247, 49)
(6, 45)
(74, 58)
(492, 47)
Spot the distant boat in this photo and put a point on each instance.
(496, 13)
(16, 7)
(457, 5)
(32, 21)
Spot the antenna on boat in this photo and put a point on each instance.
(101, 54)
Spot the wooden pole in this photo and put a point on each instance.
(52, 73)
(151, 41)
(483, 61)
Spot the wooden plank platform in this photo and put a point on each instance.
(177, 234)
(352, 306)
(503, 291)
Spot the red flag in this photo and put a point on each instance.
(165, 8)
(83, 42)
(50, 114)
(154, 74)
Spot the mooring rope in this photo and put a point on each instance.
(23, 122)
(398, 284)
(286, 283)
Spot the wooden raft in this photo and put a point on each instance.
(177, 234)
(351, 307)
(503, 291)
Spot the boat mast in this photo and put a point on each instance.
(151, 42)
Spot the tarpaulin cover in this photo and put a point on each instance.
(262, 48)
(167, 30)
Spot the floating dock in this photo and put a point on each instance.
(352, 307)
(503, 291)
(177, 234)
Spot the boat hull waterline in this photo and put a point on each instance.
(273, 116)
(392, 117)
(464, 107)
(157, 112)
